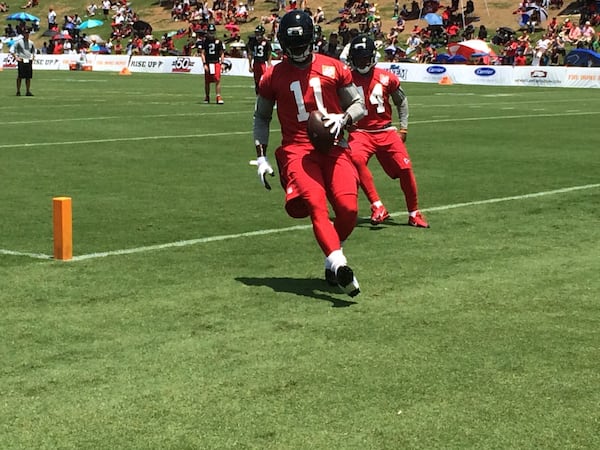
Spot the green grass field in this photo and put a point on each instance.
(194, 314)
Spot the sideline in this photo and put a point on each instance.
(225, 237)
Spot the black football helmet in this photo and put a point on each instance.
(211, 30)
(259, 30)
(362, 54)
(318, 31)
(296, 35)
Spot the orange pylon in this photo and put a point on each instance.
(445, 80)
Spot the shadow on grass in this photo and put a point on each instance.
(365, 222)
(306, 287)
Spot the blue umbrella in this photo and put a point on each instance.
(433, 19)
(91, 23)
(10, 41)
(23, 16)
(457, 59)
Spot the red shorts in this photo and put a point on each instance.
(258, 69)
(387, 146)
(312, 174)
(213, 74)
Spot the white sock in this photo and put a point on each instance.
(413, 213)
(336, 259)
(377, 204)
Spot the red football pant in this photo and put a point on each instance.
(390, 151)
(310, 180)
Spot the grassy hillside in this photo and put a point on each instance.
(492, 14)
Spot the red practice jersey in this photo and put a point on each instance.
(376, 88)
(298, 92)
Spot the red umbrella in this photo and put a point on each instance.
(59, 37)
(232, 28)
(470, 47)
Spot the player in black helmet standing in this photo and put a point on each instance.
(213, 54)
(259, 54)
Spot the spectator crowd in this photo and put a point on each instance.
(402, 42)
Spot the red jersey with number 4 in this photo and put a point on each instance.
(375, 89)
(298, 92)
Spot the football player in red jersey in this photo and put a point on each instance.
(301, 83)
(375, 135)
(212, 54)
(259, 54)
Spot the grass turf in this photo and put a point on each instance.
(480, 332)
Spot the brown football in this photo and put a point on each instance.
(320, 137)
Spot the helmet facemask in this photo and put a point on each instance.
(296, 36)
(299, 55)
(362, 54)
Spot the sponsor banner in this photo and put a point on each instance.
(458, 73)
(582, 77)
(107, 63)
(148, 64)
(40, 62)
(414, 72)
(488, 75)
(185, 65)
(8, 61)
(52, 62)
(546, 76)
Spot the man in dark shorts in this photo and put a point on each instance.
(24, 53)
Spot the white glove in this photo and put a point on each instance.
(264, 168)
(335, 123)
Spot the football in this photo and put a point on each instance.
(320, 137)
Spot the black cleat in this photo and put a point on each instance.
(347, 281)
(330, 277)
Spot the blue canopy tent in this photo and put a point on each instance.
(582, 57)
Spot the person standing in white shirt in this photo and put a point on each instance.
(24, 53)
(51, 18)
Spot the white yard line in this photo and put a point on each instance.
(520, 116)
(125, 139)
(225, 237)
(228, 133)
(147, 116)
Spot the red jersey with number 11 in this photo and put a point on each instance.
(298, 92)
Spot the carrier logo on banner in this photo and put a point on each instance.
(485, 72)
(436, 70)
(182, 65)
